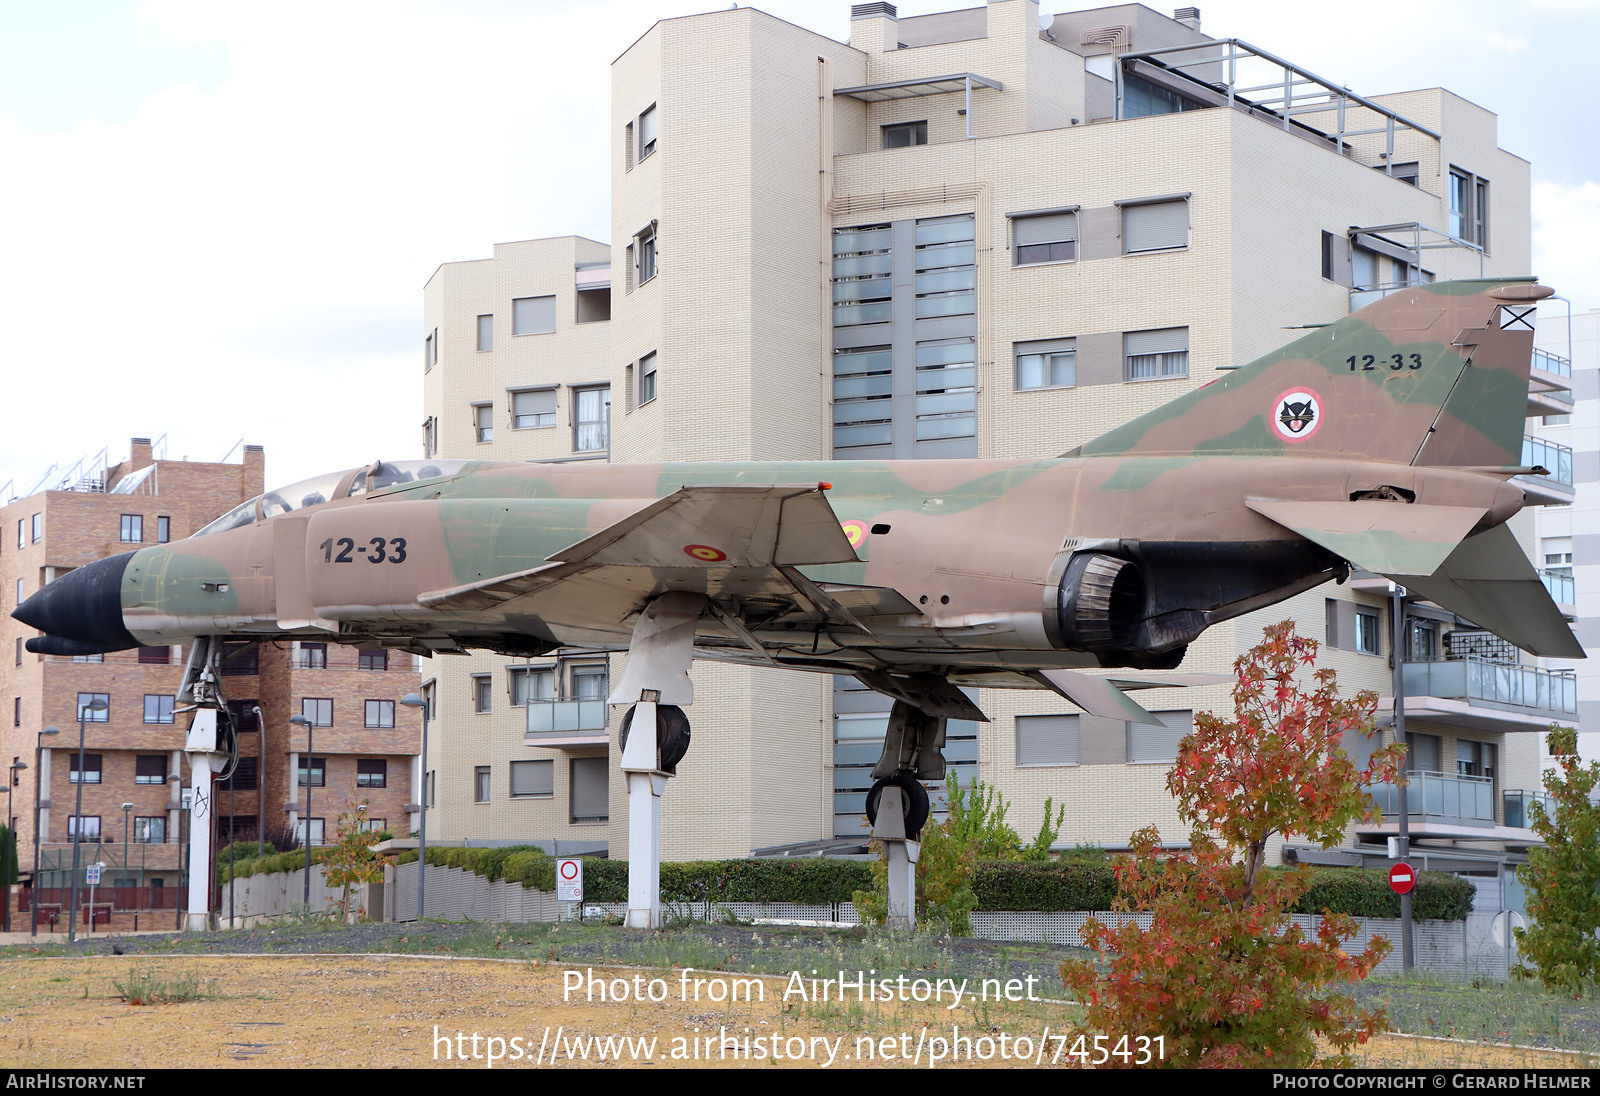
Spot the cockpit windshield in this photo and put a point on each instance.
(319, 489)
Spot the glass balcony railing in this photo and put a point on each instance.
(1468, 799)
(1547, 454)
(1530, 688)
(1552, 363)
(1517, 802)
(546, 717)
(1561, 587)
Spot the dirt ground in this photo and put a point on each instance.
(389, 1011)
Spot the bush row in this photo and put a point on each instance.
(1077, 885)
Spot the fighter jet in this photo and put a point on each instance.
(1387, 440)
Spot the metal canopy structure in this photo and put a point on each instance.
(927, 85)
(1236, 74)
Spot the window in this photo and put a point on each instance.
(89, 825)
(22, 539)
(647, 378)
(373, 660)
(591, 424)
(88, 716)
(531, 778)
(432, 788)
(482, 696)
(486, 332)
(533, 410)
(590, 682)
(91, 768)
(132, 528)
(372, 772)
(1044, 238)
(589, 790)
(480, 784)
(20, 641)
(317, 831)
(1367, 631)
(155, 656)
(163, 530)
(380, 713)
(150, 769)
(862, 386)
(645, 253)
(528, 684)
(1422, 640)
(430, 436)
(1157, 744)
(373, 825)
(38, 528)
(157, 709)
(905, 134)
(150, 831)
(240, 659)
(21, 591)
(533, 315)
(430, 350)
(245, 776)
(1156, 355)
(1469, 208)
(311, 656)
(243, 713)
(646, 129)
(89, 658)
(16, 711)
(1475, 758)
(483, 421)
(319, 710)
(1049, 363)
(1047, 740)
(1155, 226)
(316, 775)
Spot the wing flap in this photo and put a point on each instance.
(1378, 535)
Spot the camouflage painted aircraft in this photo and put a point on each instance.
(1386, 440)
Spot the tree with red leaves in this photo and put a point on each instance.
(1222, 974)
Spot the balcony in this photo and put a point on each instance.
(1549, 385)
(1483, 694)
(1459, 800)
(559, 723)
(1563, 591)
(1555, 487)
(1517, 802)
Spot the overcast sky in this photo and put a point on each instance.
(216, 218)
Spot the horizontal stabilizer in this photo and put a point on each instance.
(1377, 534)
(1159, 679)
(722, 527)
(1095, 695)
(1489, 580)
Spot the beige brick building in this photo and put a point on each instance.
(980, 233)
(133, 814)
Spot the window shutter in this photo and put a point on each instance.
(542, 402)
(1154, 226)
(533, 315)
(1050, 229)
(533, 777)
(1146, 743)
(590, 789)
(1171, 340)
(1047, 740)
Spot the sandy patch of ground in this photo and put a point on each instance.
(377, 1011)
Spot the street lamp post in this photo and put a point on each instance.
(97, 705)
(302, 721)
(11, 828)
(126, 807)
(38, 753)
(412, 700)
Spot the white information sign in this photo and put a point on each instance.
(93, 871)
(569, 880)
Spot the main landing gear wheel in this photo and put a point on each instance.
(672, 735)
(914, 797)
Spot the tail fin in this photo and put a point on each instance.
(1433, 374)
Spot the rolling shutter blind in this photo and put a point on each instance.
(1049, 229)
(1146, 743)
(1170, 340)
(590, 798)
(533, 777)
(1155, 226)
(1047, 740)
(533, 315)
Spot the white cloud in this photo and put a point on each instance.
(1566, 224)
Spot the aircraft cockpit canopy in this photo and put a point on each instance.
(349, 483)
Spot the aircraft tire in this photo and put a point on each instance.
(672, 735)
(915, 800)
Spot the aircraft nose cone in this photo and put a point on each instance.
(80, 613)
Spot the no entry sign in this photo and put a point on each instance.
(569, 880)
(1402, 878)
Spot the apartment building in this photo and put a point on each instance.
(979, 233)
(134, 777)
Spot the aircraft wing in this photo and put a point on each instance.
(735, 544)
(1379, 535)
(1095, 695)
(1488, 580)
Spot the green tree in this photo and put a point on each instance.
(1223, 974)
(350, 859)
(1563, 877)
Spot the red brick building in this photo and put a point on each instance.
(133, 816)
